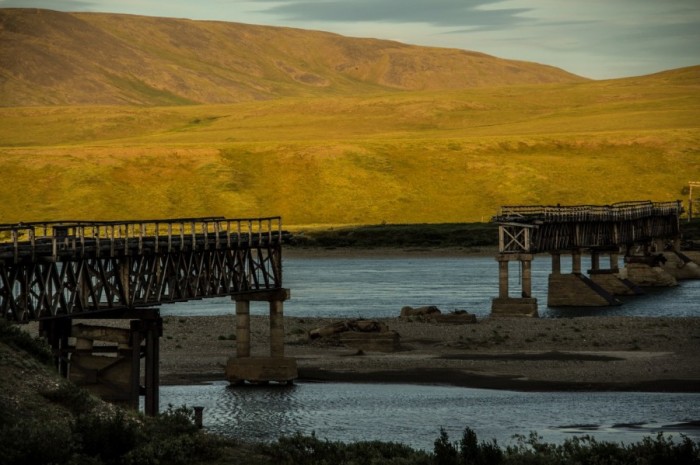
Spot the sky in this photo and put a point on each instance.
(599, 39)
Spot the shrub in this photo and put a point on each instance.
(299, 450)
(39, 441)
(35, 346)
(108, 437)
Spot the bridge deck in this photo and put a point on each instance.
(533, 229)
(64, 268)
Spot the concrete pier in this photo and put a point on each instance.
(575, 289)
(245, 367)
(646, 275)
(608, 278)
(506, 306)
(680, 266)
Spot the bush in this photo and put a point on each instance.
(14, 337)
(467, 451)
(29, 441)
(299, 450)
(72, 397)
(108, 437)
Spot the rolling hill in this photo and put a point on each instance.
(54, 58)
(359, 145)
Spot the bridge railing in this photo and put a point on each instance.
(74, 236)
(623, 211)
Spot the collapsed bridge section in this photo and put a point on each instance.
(608, 229)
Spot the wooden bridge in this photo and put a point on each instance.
(608, 229)
(57, 271)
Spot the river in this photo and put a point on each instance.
(379, 287)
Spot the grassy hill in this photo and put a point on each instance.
(360, 150)
(50, 58)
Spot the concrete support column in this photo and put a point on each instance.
(527, 278)
(556, 263)
(503, 279)
(276, 328)
(260, 369)
(242, 328)
(576, 262)
(524, 305)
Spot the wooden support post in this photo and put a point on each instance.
(527, 278)
(276, 328)
(136, 339)
(502, 278)
(57, 333)
(242, 328)
(152, 375)
(124, 270)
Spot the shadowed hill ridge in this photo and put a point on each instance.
(56, 58)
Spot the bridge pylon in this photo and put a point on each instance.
(245, 367)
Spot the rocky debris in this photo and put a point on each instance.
(458, 317)
(434, 314)
(362, 326)
(364, 335)
(420, 311)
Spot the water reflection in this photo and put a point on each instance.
(414, 414)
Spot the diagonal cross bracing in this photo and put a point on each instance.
(77, 268)
(534, 229)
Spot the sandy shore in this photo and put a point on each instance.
(610, 353)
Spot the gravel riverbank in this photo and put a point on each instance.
(610, 353)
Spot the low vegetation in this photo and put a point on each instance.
(468, 236)
(47, 420)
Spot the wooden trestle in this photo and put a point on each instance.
(54, 272)
(527, 230)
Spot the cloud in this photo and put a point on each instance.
(479, 14)
(61, 5)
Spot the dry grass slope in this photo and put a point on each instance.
(51, 58)
(349, 146)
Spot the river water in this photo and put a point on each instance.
(379, 287)
(413, 415)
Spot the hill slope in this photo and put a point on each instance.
(407, 157)
(55, 58)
